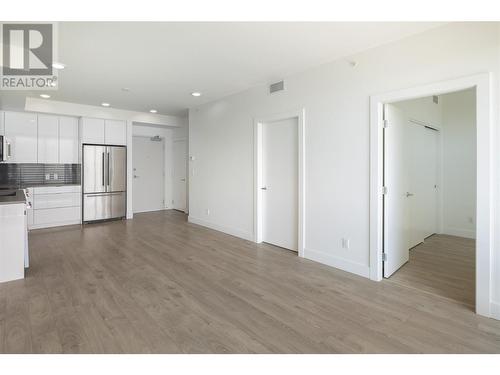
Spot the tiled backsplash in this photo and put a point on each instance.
(29, 175)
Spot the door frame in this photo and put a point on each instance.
(163, 174)
(484, 175)
(258, 150)
(186, 193)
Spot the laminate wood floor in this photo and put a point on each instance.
(443, 265)
(158, 284)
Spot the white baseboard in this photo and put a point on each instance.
(337, 262)
(495, 310)
(466, 233)
(232, 231)
(153, 210)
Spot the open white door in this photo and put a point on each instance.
(280, 183)
(396, 182)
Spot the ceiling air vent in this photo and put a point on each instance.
(275, 87)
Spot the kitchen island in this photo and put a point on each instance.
(13, 235)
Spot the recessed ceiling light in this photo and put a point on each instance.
(45, 96)
(58, 66)
(105, 104)
(153, 111)
(196, 93)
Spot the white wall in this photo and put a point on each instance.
(459, 163)
(336, 101)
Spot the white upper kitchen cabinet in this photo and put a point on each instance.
(115, 132)
(68, 140)
(21, 132)
(48, 139)
(2, 130)
(92, 130)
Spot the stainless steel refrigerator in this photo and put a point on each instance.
(104, 182)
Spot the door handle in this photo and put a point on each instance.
(183, 179)
(409, 194)
(263, 188)
(135, 176)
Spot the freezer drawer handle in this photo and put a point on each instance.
(102, 194)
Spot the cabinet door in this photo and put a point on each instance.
(116, 132)
(2, 130)
(68, 140)
(92, 130)
(21, 131)
(48, 134)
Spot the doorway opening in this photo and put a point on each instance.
(279, 181)
(463, 190)
(429, 210)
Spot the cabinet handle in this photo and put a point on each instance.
(9, 150)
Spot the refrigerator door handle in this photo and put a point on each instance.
(103, 169)
(109, 170)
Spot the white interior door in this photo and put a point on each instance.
(280, 183)
(423, 167)
(396, 200)
(180, 166)
(148, 168)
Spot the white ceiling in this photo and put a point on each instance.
(162, 63)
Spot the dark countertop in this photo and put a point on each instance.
(12, 196)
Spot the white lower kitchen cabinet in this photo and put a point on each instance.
(55, 217)
(55, 206)
(13, 241)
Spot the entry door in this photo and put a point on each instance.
(180, 165)
(280, 183)
(148, 167)
(396, 199)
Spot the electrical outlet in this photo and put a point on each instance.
(345, 243)
(47, 176)
(56, 176)
(207, 211)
